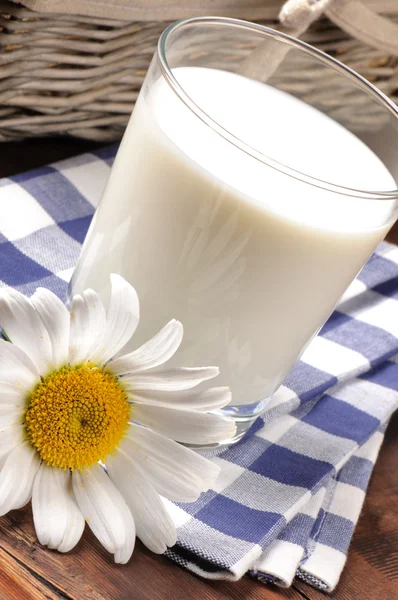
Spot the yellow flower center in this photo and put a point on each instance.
(76, 416)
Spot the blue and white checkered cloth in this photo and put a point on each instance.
(290, 493)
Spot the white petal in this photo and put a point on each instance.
(178, 473)
(87, 326)
(122, 319)
(75, 527)
(16, 368)
(25, 328)
(11, 409)
(169, 379)
(105, 511)
(11, 397)
(58, 521)
(155, 352)
(205, 401)
(11, 417)
(16, 477)
(183, 425)
(154, 526)
(11, 437)
(55, 317)
(12, 400)
(123, 554)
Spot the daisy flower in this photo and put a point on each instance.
(93, 438)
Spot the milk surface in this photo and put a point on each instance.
(252, 261)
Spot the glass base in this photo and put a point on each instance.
(244, 416)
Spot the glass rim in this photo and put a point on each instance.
(268, 32)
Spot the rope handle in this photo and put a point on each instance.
(353, 16)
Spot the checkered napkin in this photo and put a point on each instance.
(290, 493)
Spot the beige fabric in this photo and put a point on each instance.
(67, 73)
(159, 10)
(165, 10)
(359, 18)
(295, 17)
(364, 24)
(298, 15)
(354, 16)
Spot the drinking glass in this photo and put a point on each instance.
(255, 178)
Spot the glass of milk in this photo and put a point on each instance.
(255, 178)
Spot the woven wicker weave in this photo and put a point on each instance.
(80, 75)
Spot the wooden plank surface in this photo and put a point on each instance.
(29, 572)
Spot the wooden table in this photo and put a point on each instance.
(29, 572)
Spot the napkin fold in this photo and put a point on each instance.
(290, 493)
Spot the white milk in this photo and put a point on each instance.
(250, 260)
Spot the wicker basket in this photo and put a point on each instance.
(80, 75)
